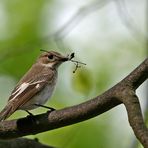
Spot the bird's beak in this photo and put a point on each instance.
(64, 59)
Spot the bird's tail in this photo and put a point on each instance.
(6, 112)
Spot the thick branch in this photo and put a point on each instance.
(136, 121)
(138, 76)
(81, 112)
(58, 118)
(139, 128)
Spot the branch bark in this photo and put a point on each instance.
(123, 92)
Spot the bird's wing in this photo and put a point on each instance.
(24, 92)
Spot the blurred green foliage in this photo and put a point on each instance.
(82, 81)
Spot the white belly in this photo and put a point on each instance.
(40, 98)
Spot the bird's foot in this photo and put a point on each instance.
(31, 116)
(51, 109)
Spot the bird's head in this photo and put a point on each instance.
(51, 59)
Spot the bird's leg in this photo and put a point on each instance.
(51, 109)
(30, 114)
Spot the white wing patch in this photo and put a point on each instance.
(41, 81)
(20, 90)
(37, 86)
(23, 86)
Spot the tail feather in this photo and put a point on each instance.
(6, 112)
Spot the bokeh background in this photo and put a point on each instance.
(110, 36)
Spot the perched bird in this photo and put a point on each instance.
(36, 86)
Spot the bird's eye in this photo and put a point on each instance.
(50, 57)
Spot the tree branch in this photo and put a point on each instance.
(123, 92)
(138, 76)
(136, 121)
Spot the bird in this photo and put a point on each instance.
(36, 86)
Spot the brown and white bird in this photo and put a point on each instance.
(36, 86)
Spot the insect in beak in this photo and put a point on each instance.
(77, 63)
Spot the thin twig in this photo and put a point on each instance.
(77, 63)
